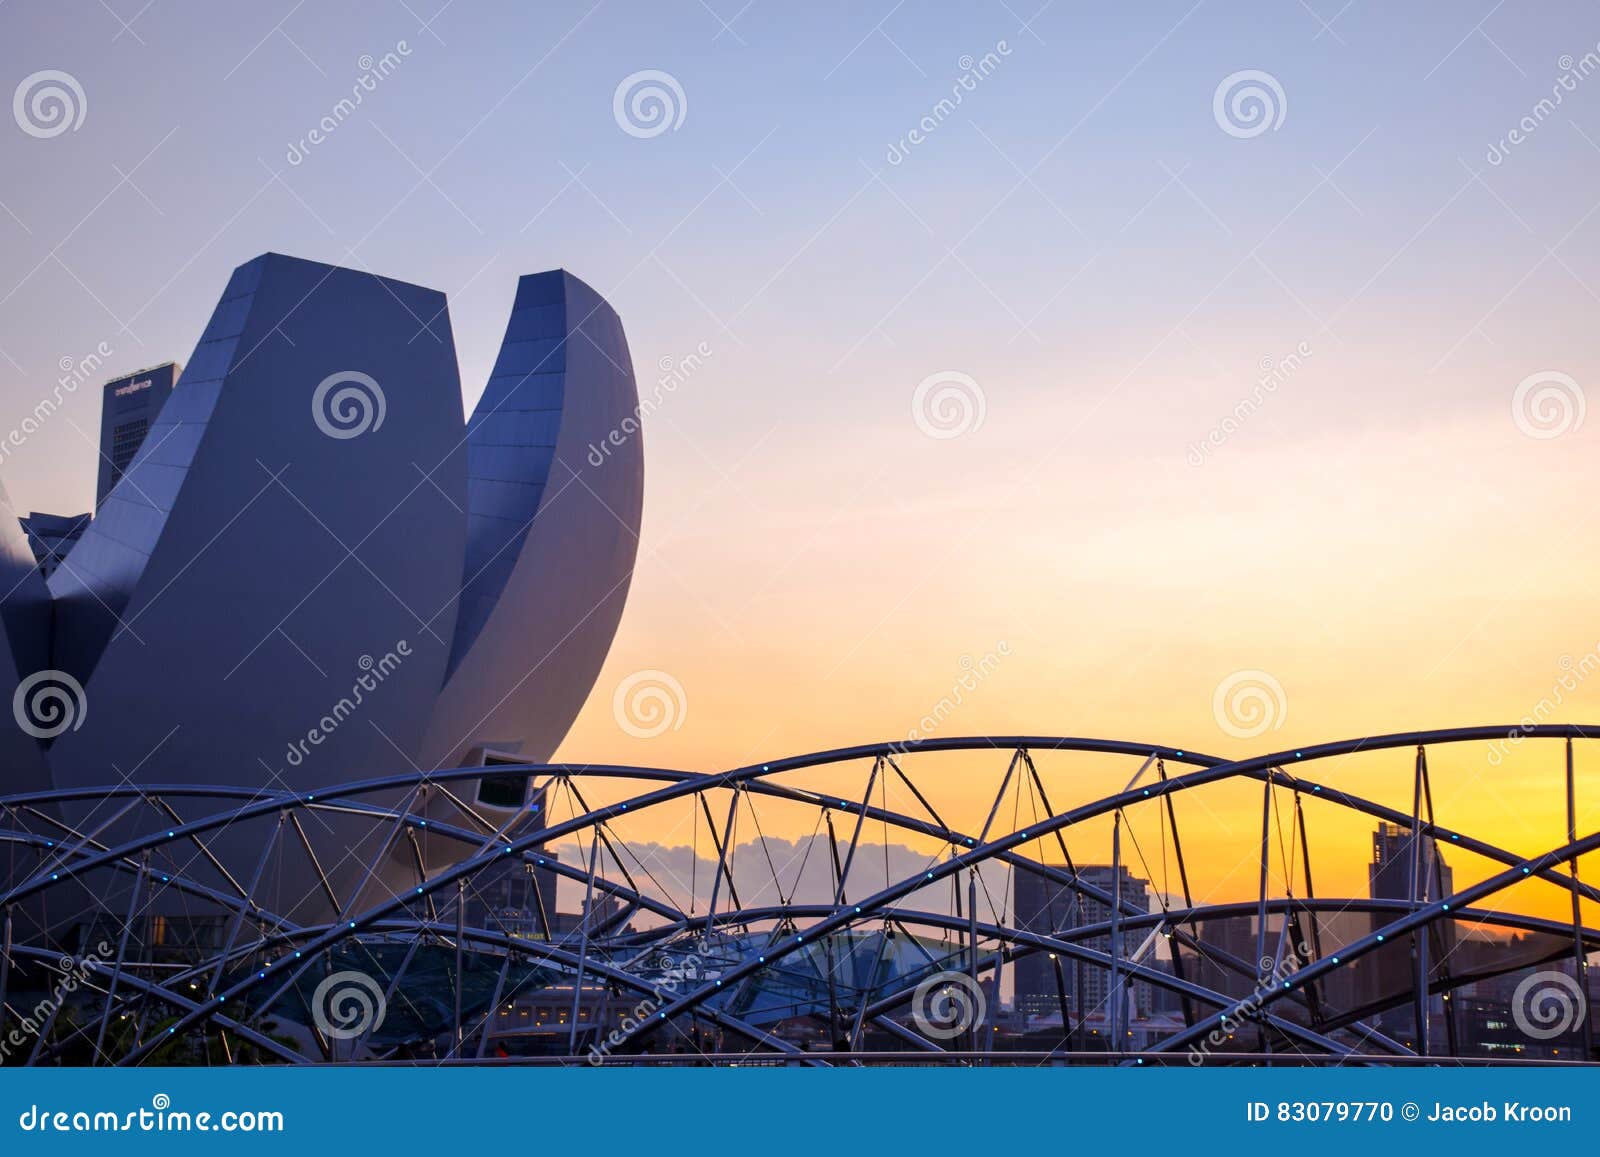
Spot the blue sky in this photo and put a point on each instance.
(759, 220)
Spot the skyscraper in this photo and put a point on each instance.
(128, 408)
(1389, 873)
(1045, 906)
(1228, 944)
(51, 536)
(1410, 868)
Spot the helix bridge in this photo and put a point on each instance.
(857, 906)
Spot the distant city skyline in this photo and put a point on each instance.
(1227, 398)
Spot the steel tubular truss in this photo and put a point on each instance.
(198, 924)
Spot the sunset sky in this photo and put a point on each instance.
(1111, 269)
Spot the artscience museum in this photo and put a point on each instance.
(313, 568)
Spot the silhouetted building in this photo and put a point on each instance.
(517, 899)
(1488, 1008)
(127, 411)
(51, 536)
(1343, 989)
(1395, 856)
(1408, 868)
(1228, 959)
(1045, 906)
(1164, 1001)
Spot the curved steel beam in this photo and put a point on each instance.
(1418, 917)
(1211, 770)
(1256, 768)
